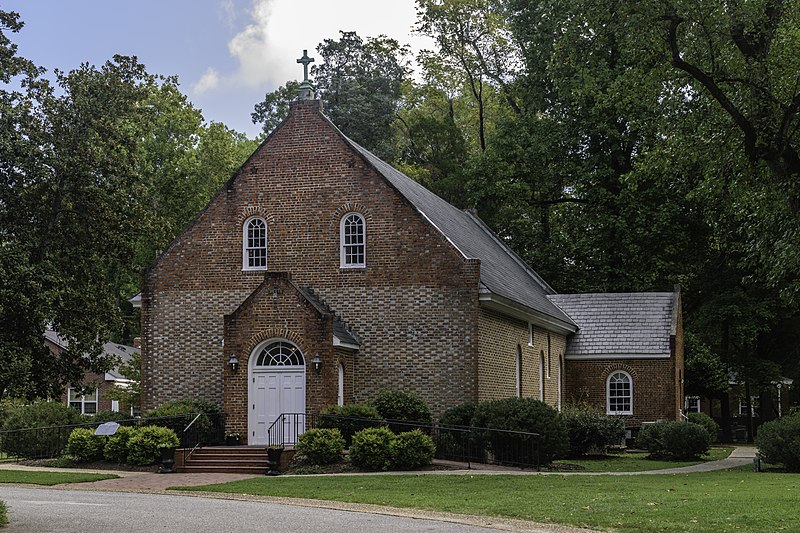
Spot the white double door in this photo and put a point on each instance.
(274, 392)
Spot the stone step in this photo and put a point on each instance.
(190, 469)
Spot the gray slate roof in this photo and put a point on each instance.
(341, 329)
(626, 324)
(502, 272)
(121, 351)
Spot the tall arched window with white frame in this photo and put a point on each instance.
(353, 241)
(254, 244)
(619, 393)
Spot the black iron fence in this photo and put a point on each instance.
(50, 442)
(464, 444)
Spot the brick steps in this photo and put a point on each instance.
(226, 459)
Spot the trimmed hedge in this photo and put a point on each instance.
(84, 445)
(778, 442)
(371, 448)
(144, 445)
(410, 450)
(708, 423)
(350, 419)
(591, 431)
(321, 446)
(522, 414)
(116, 448)
(402, 405)
(460, 415)
(204, 425)
(669, 438)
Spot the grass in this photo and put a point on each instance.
(3, 514)
(721, 501)
(638, 462)
(49, 478)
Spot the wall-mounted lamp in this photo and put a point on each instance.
(233, 364)
(317, 363)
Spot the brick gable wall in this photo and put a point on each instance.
(414, 305)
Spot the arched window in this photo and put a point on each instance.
(254, 244)
(549, 362)
(619, 393)
(280, 353)
(340, 397)
(353, 241)
(541, 376)
(519, 371)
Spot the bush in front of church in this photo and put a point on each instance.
(350, 419)
(116, 448)
(702, 419)
(43, 441)
(673, 439)
(778, 442)
(321, 446)
(84, 445)
(402, 405)
(144, 445)
(591, 431)
(371, 449)
(177, 414)
(521, 415)
(411, 450)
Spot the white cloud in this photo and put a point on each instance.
(265, 50)
(227, 12)
(207, 82)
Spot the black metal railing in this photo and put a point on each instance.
(50, 442)
(465, 444)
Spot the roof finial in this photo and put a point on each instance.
(306, 91)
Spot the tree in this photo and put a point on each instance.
(129, 396)
(360, 84)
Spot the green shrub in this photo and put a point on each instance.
(116, 448)
(521, 414)
(460, 415)
(43, 442)
(106, 416)
(84, 445)
(144, 445)
(711, 427)
(8, 406)
(204, 427)
(591, 431)
(402, 405)
(778, 442)
(673, 439)
(410, 450)
(350, 419)
(321, 446)
(371, 448)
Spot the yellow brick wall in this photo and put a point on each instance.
(498, 339)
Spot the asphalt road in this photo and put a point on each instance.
(62, 511)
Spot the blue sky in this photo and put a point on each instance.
(226, 53)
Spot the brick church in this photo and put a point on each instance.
(320, 275)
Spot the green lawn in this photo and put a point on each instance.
(3, 514)
(637, 462)
(722, 501)
(49, 478)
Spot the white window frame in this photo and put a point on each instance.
(519, 371)
(541, 375)
(628, 411)
(688, 407)
(343, 263)
(81, 400)
(530, 334)
(340, 397)
(245, 248)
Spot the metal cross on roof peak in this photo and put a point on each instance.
(305, 60)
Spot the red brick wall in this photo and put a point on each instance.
(653, 385)
(414, 305)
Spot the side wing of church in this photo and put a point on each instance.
(319, 275)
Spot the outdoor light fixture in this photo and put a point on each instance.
(317, 362)
(233, 364)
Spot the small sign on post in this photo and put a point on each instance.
(107, 428)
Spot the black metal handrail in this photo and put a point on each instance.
(466, 444)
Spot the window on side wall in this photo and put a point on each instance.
(86, 404)
(254, 244)
(692, 404)
(619, 394)
(353, 241)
